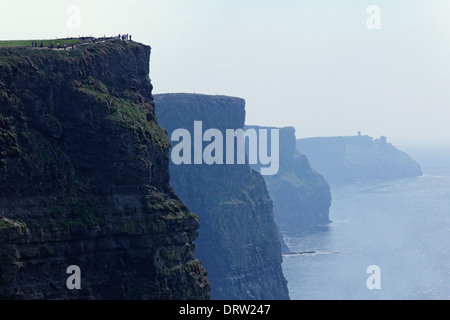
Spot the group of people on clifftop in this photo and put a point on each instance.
(34, 44)
(124, 37)
(83, 40)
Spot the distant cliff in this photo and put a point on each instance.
(84, 180)
(301, 197)
(238, 242)
(341, 159)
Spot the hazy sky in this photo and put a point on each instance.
(311, 64)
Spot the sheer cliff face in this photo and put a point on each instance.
(84, 180)
(237, 242)
(301, 197)
(344, 159)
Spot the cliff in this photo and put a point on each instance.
(238, 242)
(301, 197)
(84, 180)
(343, 159)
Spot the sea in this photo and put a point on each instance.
(388, 240)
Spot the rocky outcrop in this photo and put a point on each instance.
(301, 197)
(344, 159)
(238, 242)
(84, 180)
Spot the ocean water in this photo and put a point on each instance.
(401, 226)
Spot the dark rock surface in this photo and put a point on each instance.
(238, 242)
(84, 180)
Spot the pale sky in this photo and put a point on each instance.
(310, 64)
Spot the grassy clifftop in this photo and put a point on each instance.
(28, 43)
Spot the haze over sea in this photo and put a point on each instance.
(402, 226)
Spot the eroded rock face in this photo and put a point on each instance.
(301, 196)
(84, 180)
(238, 242)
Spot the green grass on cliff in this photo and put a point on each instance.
(126, 112)
(46, 43)
(11, 224)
